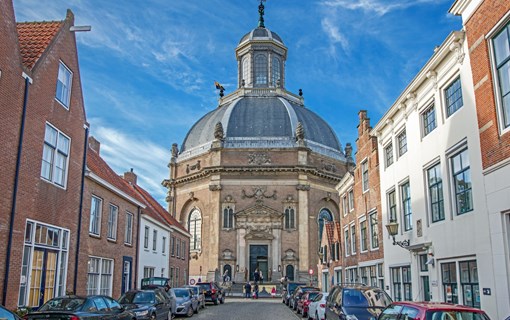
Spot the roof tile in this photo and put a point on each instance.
(34, 38)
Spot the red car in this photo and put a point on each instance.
(304, 302)
(431, 311)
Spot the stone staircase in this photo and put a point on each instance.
(236, 289)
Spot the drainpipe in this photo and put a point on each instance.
(80, 209)
(137, 246)
(28, 81)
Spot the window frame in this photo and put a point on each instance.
(54, 149)
(374, 230)
(429, 126)
(67, 87)
(451, 111)
(99, 290)
(465, 171)
(437, 189)
(154, 240)
(350, 196)
(228, 217)
(289, 218)
(503, 114)
(128, 234)
(363, 232)
(111, 233)
(392, 205)
(146, 238)
(388, 155)
(96, 229)
(261, 70)
(365, 176)
(196, 231)
(352, 228)
(407, 212)
(402, 143)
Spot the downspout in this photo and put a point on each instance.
(28, 80)
(137, 245)
(80, 209)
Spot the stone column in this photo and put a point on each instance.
(303, 223)
(241, 255)
(276, 246)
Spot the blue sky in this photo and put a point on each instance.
(148, 67)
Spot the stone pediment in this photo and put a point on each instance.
(259, 221)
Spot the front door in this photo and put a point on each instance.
(43, 276)
(258, 260)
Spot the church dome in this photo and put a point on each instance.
(261, 34)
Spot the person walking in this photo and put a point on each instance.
(273, 292)
(256, 275)
(247, 290)
(261, 276)
(256, 291)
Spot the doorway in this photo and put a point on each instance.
(43, 277)
(259, 260)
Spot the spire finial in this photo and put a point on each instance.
(261, 13)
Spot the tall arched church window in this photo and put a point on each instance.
(290, 218)
(246, 70)
(260, 69)
(228, 217)
(324, 216)
(276, 72)
(195, 229)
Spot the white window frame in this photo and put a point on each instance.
(104, 279)
(352, 230)
(148, 272)
(95, 217)
(350, 196)
(154, 240)
(365, 176)
(64, 98)
(54, 149)
(163, 245)
(128, 235)
(401, 147)
(345, 204)
(467, 168)
(113, 217)
(367, 245)
(388, 155)
(371, 230)
(146, 238)
(446, 87)
(195, 229)
(430, 107)
(347, 241)
(405, 212)
(289, 218)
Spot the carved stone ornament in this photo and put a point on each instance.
(229, 198)
(191, 195)
(300, 132)
(456, 47)
(303, 187)
(328, 166)
(259, 193)
(259, 158)
(348, 150)
(196, 166)
(219, 133)
(175, 150)
(215, 187)
(432, 75)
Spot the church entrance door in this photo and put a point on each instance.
(258, 259)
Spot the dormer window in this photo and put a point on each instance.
(260, 69)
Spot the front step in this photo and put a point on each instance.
(236, 289)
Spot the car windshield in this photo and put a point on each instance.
(63, 304)
(293, 286)
(312, 295)
(139, 297)
(180, 293)
(372, 297)
(161, 282)
(454, 315)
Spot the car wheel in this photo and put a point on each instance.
(190, 312)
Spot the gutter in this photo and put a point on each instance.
(137, 245)
(28, 81)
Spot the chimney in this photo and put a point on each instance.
(130, 177)
(94, 144)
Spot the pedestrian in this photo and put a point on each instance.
(261, 276)
(273, 292)
(247, 290)
(226, 278)
(256, 291)
(256, 275)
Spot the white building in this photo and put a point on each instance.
(432, 185)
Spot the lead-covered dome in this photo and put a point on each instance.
(261, 34)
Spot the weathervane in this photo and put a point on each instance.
(261, 12)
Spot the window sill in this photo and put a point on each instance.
(128, 244)
(61, 103)
(111, 240)
(95, 235)
(54, 184)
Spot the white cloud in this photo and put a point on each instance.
(375, 6)
(334, 34)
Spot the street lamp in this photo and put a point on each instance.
(321, 256)
(393, 231)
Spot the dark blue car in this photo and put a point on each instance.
(148, 304)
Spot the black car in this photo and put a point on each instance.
(213, 292)
(288, 290)
(349, 301)
(78, 308)
(148, 304)
(7, 315)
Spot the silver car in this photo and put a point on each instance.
(186, 302)
(197, 290)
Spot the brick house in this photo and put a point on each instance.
(487, 27)
(41, 244)
(109, 232)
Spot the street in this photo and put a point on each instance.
(238, 308)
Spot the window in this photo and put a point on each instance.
(345, 206)
(449, 279)
(429, 120)
(374, 231)
(64, 80)
(363, 236)
(388, 154)
(112, 222)
(462, 182)
(55, 156)
(453, 94)
(195, 229)
(183, 249)
(324, 216)
(380, 275)
(95, 215)
(401, 279)
(178, 248)
(405, 190)
(246, 70)
(276, 74)
(99, 277)
(154, 240)
(260, 69)
(347, 242)
(351, 200)
(171, 276)
(435, 185)
(289, 218)
(364, 175)
(501, 44)
(353, 238)
(402, 143)
(392, 206)
(469, 283)
(129, 229)
(148, 272)
(172, 246)
(146, 238)
(163, 245)
(228, 217)
(177, 271)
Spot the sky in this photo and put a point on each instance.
(148, 67)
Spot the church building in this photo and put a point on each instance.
(254, 179)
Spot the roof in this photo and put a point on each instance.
(34, 38)
(260, 33)
(330, 231)
(156, 211)
(100, 168)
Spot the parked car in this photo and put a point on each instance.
(304, 302)
(7, 314)
(79, 308)
(317, 307)
(197, 290)
(431, 311)
(155, 282)
(187, 303)
(213, 292)
(288, 290)
(151, 304)
(355, 300)
(297, 295)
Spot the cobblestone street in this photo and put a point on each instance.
(238, 308)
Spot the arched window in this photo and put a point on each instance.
(246, 71)
(289, 272)
(260, 69)
(195, 229)
(276, 72)
(227, 273)
(290, 218)
(228, 217)
(324, 215)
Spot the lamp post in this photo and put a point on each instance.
(392, 228)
